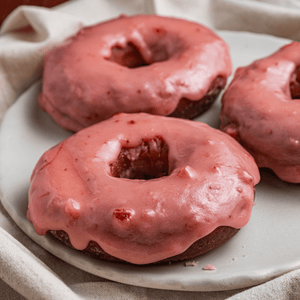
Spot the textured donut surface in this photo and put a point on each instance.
(261, 109)
(96, 186)
(132, 64)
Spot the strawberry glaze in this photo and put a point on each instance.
(131, 64)
(261, 109)
(210, 183)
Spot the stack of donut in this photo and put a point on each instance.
(137, 183)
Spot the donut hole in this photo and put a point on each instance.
(160, 46)
(128, 56)
(295, 84)
(149, 160)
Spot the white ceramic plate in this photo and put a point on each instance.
(267, 247)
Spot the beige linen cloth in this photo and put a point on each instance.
(28, 271)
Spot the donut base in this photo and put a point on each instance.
(188, 109)
(213, 240)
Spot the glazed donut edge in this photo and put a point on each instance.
(211, 241)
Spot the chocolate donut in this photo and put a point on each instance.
(261, 110)
(143, 190)
(145, 63)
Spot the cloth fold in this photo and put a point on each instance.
(27, 34)
(280, 18)
(27, 274)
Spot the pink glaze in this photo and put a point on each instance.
(210, 184)
(88, 80)
(259, 112)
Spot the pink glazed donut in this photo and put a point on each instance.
(138, 188)
(144, 63)
(261, 110)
